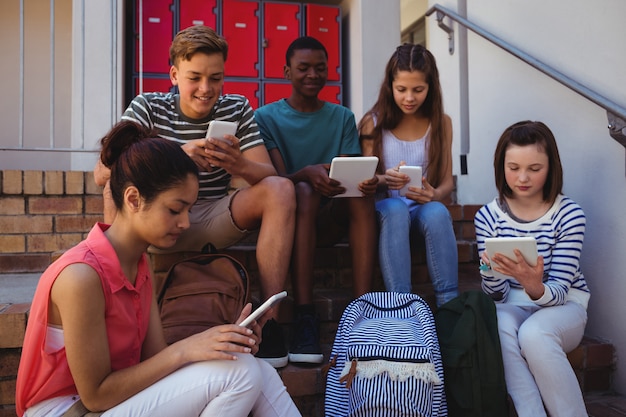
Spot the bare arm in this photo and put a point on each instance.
(315, 175)
(78, 302)
(253, 164)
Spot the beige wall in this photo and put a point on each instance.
(30, 119)
(410, 11)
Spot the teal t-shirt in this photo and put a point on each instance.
(308, 138)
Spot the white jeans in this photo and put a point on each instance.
(534, 342)
(212, 388)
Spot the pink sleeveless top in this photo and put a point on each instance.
(43, 375)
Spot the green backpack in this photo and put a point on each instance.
(467, 327)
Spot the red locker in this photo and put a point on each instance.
(331, 93)
(249, 89)
(322, 23)
(153, 85)
(197, 12)
(240, 28)
(281, 25)
(275, 91)
(154, 26)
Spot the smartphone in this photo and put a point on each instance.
(218, 128)
(263, 308)
(415, 173)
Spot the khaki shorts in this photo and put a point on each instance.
(211, 222)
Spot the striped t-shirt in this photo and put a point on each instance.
(559, 234)
(161, 111)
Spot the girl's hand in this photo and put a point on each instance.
(422, 195)
(395, 179)
(255, 326)
(218, 343)
(529, 277)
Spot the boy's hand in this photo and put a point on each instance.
(195, 150)
(317, 176)
(368, 187)
(224, 154)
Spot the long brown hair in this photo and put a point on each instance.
(409, 57)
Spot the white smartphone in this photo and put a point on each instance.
(218, 128)
(415, 175)
(263, 308)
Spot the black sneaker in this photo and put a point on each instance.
(305, 345)
(272, 349)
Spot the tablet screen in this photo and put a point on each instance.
(350, 171)
(505, 245)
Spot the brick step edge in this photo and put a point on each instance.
(593, 361)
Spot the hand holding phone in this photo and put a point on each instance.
(415, 175)
(269, 303)
(219, 128)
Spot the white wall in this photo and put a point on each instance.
(373, 32)
(97, 51)
(585, 41)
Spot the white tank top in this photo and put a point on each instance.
(414, 152)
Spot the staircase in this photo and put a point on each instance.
(592, 360)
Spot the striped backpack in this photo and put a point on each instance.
(385, 360)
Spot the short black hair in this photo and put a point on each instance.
(304, 42)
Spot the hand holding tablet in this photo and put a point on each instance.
(350, 171)
(506, 246)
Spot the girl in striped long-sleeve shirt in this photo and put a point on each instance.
(542, 309)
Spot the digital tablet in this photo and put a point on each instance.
(263, 308)
(415, 175)
(505, 245)
(350, 171)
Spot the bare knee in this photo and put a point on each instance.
(278, 191)
(307, 199)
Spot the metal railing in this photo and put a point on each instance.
(616, 114)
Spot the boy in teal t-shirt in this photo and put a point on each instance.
(302, 134)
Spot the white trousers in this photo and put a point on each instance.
(213, 388)
(535, 341)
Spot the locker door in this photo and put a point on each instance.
(281, 26)
(197, 12)
(322, 23)
(275, 91)
(153, 85)
(240, 28)
(249, 89)
(156, 33)
(331, 93)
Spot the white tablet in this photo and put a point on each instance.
(505, 245)
(350, 171)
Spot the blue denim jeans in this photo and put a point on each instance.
(399, 225)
